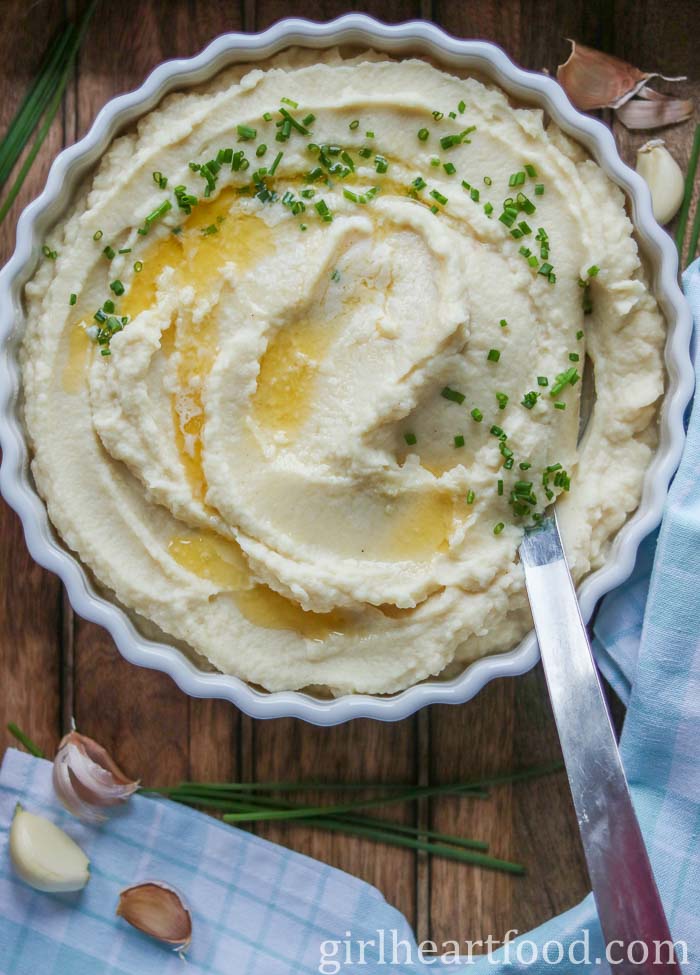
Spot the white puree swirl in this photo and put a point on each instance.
(266, 465)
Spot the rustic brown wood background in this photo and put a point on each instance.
(55, 665)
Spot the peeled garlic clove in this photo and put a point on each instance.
(663, 176)
(87, 779)
(157, 909)
(44, 856)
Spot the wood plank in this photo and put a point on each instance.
(359, 751)
(391, 11)
(30, 607)
(508, 726)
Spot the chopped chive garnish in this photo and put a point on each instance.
(156, 214)
(437, 195)
(246, 132)
(160, 180)
(73, 299)
(503, 323)
(423, 134)
(308, 119)
(525, 465)
(335, 274)
(117, 287)
(477, 415)
(494, 355)
(516, 179)
(419, 183)
(97, 235)
(574, 357)
(487, 180)
(323, 211)
(261, 150)
(529, 399)
(138, 266)
(369, 135)
(593, 270)
(355, 124)
(109, 253)
(124, 250)
(108, 306)
(539, 189)
(449, 168)
(579, 334)
(267, 116)
(542, 381)
(435, 162)
(470, 497)
(545, 269)
(496, 431)
(380, 164)
(452, 394)
(438, 116)
(502, 400)
(290, 101)
(567, 378)
(530, 170)
(459, 440)
(560, 406)
(488, 209)
(410, 438)
(500, 487)
(275, 164)
(461, 108)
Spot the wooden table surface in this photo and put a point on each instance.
(55, 665)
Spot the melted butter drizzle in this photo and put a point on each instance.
(222, 562)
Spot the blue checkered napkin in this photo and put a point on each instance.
(258, 909)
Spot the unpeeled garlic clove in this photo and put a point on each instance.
(663, 176)
(87, 779)
(158, 910)
(44, 856)
(593, 79)
(651, 112)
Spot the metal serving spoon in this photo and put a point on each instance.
(628, 902)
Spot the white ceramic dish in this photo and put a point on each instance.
(73, 164)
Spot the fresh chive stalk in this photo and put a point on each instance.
(58, 81)
(688, 195)
(25, 740)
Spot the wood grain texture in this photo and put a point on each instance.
(55, 666)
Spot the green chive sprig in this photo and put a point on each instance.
(41, 102)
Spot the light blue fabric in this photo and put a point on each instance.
(260, 909)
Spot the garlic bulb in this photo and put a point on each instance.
(44, 856)
(87, 779)
(158, 910)
(664, 177)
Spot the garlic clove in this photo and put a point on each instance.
(593, 79)
(663, 176)
(157, 909)
(87, 779)
(44, 856)
(651, 113)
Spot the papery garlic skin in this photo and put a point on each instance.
(663, 176)
(157, 909)
(45, 857)
(87, 779)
